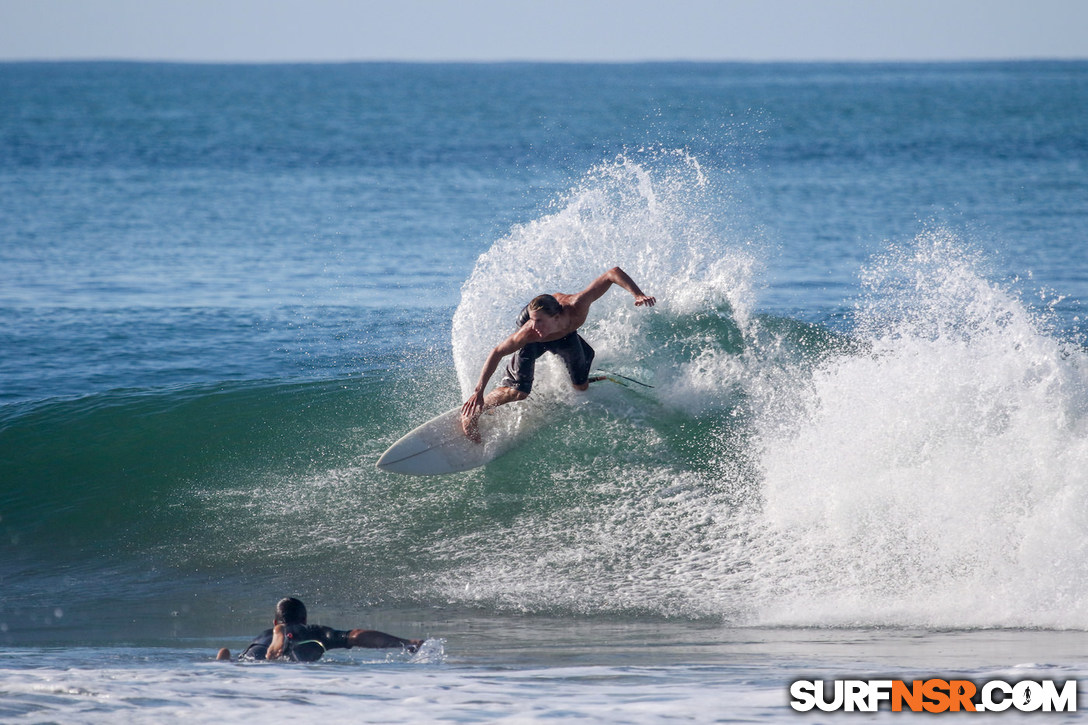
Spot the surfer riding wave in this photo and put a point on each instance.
(549, 323)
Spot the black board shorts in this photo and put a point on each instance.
(575, 352)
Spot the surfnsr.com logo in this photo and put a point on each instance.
(933, 695)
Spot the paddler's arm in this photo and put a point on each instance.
(510, 345)
(380, 640)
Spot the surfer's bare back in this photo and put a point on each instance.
(549, 323)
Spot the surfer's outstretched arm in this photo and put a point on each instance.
(599, 286)
(380, 640)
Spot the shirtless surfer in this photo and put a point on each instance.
(549, 323)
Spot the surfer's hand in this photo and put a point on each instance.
(473, 406)
(470, 411)
(646, 300)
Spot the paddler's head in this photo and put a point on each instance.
(290, 611)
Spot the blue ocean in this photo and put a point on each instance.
(226, 289)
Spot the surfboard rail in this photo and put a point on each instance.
(440, 446)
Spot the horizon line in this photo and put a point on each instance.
(546, 61)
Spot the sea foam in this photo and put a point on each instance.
(937, 479)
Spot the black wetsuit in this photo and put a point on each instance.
(574, 351)
(305, 643)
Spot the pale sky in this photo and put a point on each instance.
(550, 30)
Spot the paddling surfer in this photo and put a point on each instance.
(292, 639)
(549, 323)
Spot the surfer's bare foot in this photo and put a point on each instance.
(279, 642)
(471, 426)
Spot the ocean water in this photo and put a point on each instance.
(225, 290)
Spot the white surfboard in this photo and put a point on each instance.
(440, 446)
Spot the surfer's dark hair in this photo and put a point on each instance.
(290, 611)
(546, 304)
